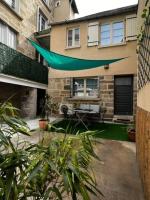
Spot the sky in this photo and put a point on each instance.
(87, 7)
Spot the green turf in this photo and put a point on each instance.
(103, 130)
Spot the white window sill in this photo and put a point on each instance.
(73, 47)
(112, 45)
(84, 99)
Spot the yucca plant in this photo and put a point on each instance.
(53, 169)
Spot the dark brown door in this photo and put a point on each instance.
(123, 95)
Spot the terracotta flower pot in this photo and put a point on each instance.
(131, 135)
(43, 124)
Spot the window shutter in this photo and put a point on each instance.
(131, 27)
(93, 34)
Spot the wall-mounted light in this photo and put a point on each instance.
(106, 67)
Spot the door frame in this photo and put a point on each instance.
(132, 85)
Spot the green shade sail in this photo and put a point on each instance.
(61, 62)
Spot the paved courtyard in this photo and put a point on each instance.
(117, 173)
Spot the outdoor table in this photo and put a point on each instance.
(81, 114)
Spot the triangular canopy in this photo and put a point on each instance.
(61, 62)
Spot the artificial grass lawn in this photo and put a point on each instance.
(102, 130)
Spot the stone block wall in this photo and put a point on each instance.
(107, 95)
(23, 98)
(28, 102)
(26, 24)
(60, 90)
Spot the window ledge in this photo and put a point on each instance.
(112, 45)
(46, 6)
(84, 99)
(73, 47)
(12, 10)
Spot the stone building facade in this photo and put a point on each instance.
(60, 90)
(19, 20)
(88, 46)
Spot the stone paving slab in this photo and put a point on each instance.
(117, 175)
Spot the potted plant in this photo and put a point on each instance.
(131, 133)
(48, 107)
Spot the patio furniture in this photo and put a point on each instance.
(85, 112)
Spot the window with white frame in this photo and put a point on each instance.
(40, 59)
(73, 37)
(85, 87)
(112, 33)
(14, 4)
(7, 35)
(46, 1)
(11, 3)
(42, 22)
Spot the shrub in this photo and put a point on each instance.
(40, 171)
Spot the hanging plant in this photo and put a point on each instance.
(140, 37)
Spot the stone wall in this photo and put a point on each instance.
(29, 102)
(23, 98)
(26, 24)
(60, 90)
(107, 95)
(143, 148)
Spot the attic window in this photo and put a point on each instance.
(57, 4)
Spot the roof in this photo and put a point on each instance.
(74, 6)
(132, 8)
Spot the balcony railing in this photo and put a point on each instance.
(16, 64)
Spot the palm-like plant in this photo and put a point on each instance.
(48, 170)
(12, 160)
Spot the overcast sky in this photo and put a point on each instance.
(87, 7)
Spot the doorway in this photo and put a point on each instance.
(123, 95)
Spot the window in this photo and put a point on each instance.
(46, 2)
(85, 87)
(11, 3)
(7, 35)
(112, 33)
(42, 23)
(14, 4)
(117, 32)
(40, 59)
(73, 37)
(105, 34)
